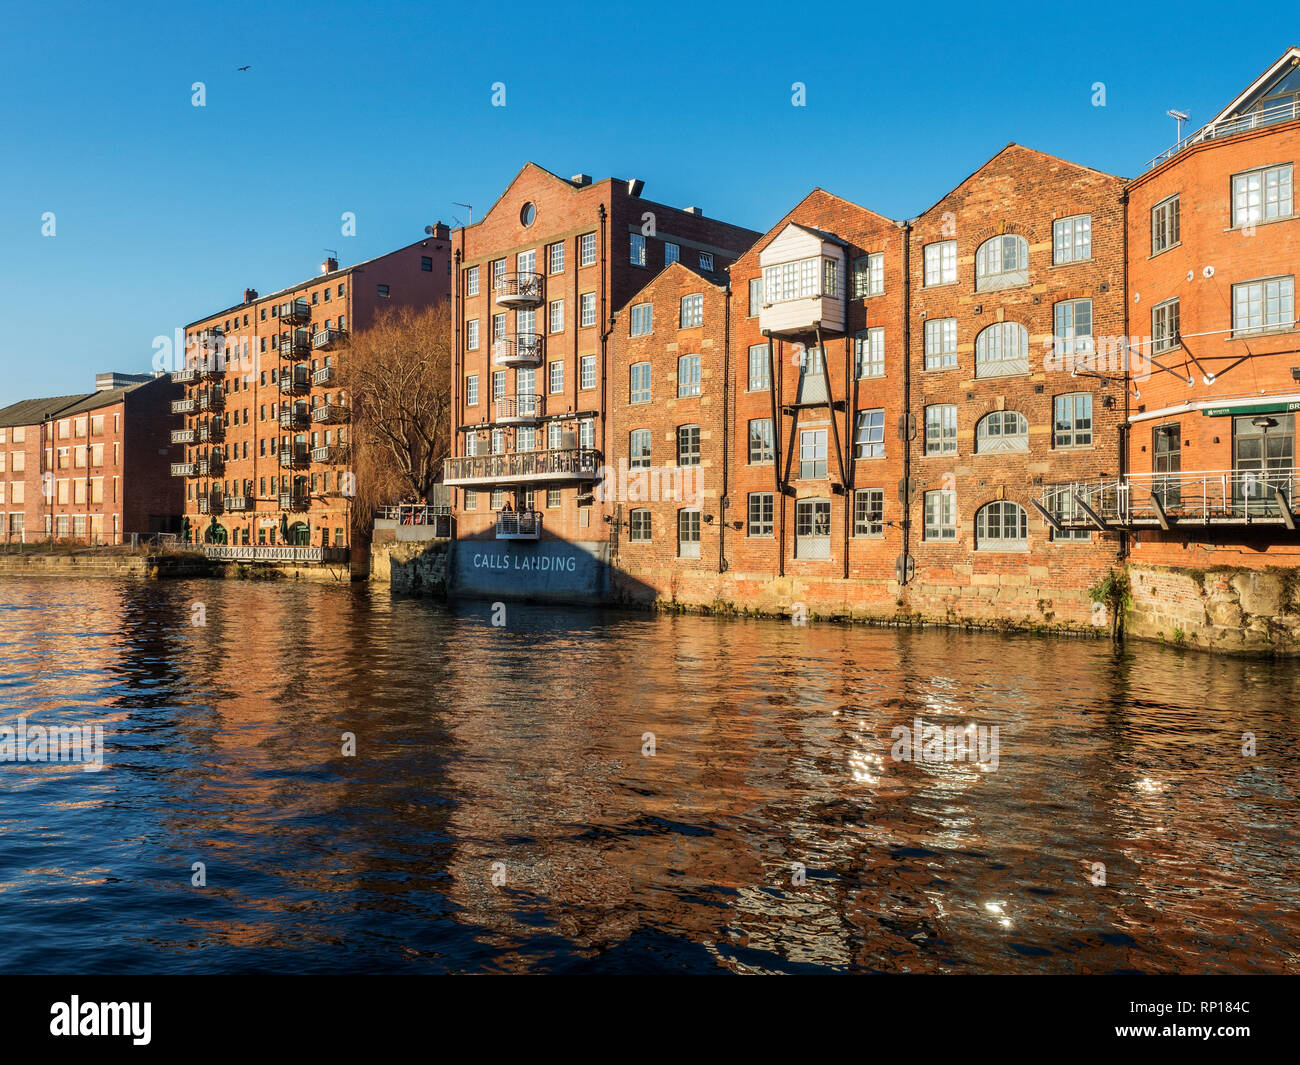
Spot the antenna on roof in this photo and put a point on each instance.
(467, 207)
(1180, 117)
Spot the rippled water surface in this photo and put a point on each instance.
(515, 754)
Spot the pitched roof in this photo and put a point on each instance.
(106, 398)
(1256, 88)
(35, 411)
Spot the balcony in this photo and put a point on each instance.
(186, 376)
(803, 283)
(211, 465)
(294, 500)
(331, 413)
(1181, 500)
(184, 469)
(294, 456)
(324, 376)
(205, 367)
(184, 406)
(296, 345)
(296, 417)
(523, 289)
(520, 410)
(522, 350)
(329, 337)
(276, 553)
(522, 467)
(210, 431)
(183, 436)
(1231, 126)
(330, 454)
(296, 381)
(295, 312)
(210, 504)
(210, 398)
(519, 525)
(236, 504)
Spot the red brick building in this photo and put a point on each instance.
(265, 426)
(90, 468)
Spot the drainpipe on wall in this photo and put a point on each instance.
(1125, 439)
(724, 501)
(606, 328)
(906, 556)
(773, 386)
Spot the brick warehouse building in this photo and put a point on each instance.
(90, 468)
(265, 426)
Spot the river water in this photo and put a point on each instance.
(580, 790)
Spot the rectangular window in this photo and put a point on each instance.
(639, 373)
(555, 258)
(1262, 306)
(471, 281)
(636, 248)
(1164, 225)
(760, 379)
(1073, 326)
(498, 326)
(426, 264)
(587, 306)
(812, 454)
(940, 343)
(672, 253)
(587, 249)
(812, 528)
(761, 447)
(498, 384)
(638, 528)
(555, 373)
(706, 260)
(1164, 326)
(755, 296)
(688, 533)
(692, 310)
(1261, 195)
(471, 499)
(869, 512)
(941, 515)
(471, 390)
(1072, 423)
(688, 376)
(869, 352)
(382, 291)
(553, 498)
(688, 445)
(869, 275)
(471, 335)
(941, 263)
(800, 279)
(557, 316)
(761, 513)
(639, 449)
(869, 436)
(587, 372)
(941, 429)
(554, 436)
(1072, 239)
(586, 435)
(642, 319)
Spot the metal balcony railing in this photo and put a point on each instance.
(323, 376)
(184, 406)
(295, 381)
(331, 413)
(211, 430)
(235, 503)
(295, 312)
(184, 469)
(296, 345)
(578, 464)
(294, 500)
(277, 553)
(328, 337)
(210, 398)
(211, 464)
(330, 454)
(519, 525)
(294, 456)
(183, 436)
(519, 289)
(1230, 127)
(295, 417)
(519, 349)
(210, 504)
(520, 408)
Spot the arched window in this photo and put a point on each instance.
(1002, 349)
(1002, 262)
(1001, 526)
(1003, 430)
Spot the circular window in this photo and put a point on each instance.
(527, 214)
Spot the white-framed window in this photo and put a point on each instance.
(587, 433)
(869, 512)
(471, 499)
(498, 441)
(587, 307)
(471, 281)
(471, 445)
(706, 260)
(1002, 349)
(642, 319)
(471, 335)
(526, 321)
(525, 438)
(556, 324)
(1164, 225)
(636, 248)
(1072, 239)
(672, 253)
(498, 384)
(940, 343)
(688, 445)
(812, 454)
(1264, 305)
(1072, 322)
(1002, 430)
(499, 326)
(688, 532)
(554, 436)
(638, 448)
(692, 310)
(526, 381)
(1002, 262)
(587, 249)
(688, 376)
(869, 275)
(760, 378)
(761, 441)
(940, 515)
(1000, 526)
(800, 279)
(869, 434)
(639, 385)
(762, 511)
(471, 390)
(940, 262)
(498, 267)
(555, 258)
(1072, 420)
(555, 377)
(941, 429)
(554, 498)
(869, 352)
(638, 526)
(755, 296)
(1262, 195)
(526, 261)
(498, 498)
(587, 372)
(812, 528)
(1164, 326)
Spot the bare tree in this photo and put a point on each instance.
(398, 376)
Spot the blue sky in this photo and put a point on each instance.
(165, 211)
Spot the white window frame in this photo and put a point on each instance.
(940, 263)
(1072, 239)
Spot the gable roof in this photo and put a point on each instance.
(717, 278)
(787, 219)
(35, 411)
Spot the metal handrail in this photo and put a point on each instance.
(1230, 127)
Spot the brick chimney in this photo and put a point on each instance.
(329, 265)
(250, 294)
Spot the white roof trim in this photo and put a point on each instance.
(1254, 87)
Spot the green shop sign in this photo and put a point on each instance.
(1252, 408)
